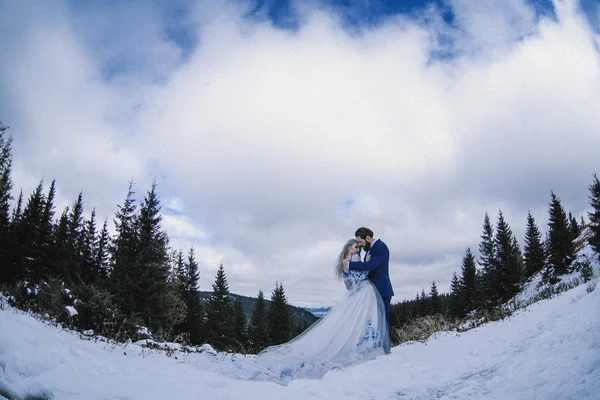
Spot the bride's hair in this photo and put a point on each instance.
(339, 271)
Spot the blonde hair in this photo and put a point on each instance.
(339, 268)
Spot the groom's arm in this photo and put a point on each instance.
(377, 258)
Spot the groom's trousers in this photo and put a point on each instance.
(386, 303)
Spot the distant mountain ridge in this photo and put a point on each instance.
(318, 311)
(301, 316)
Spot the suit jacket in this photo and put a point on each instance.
(378, 267)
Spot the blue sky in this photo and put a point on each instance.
(356, 17)
(275, 129)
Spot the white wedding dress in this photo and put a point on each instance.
(355, 330)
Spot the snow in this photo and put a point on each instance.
(71, 310)
(143, 331)
(207, 348)
(550, 350)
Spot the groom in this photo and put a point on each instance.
(377, 260)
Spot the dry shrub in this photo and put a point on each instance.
(421, 329)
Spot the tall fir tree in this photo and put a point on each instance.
(12, 268)
(435, 302)
(123, 253)
(561, 250)
(419, 306)
(155, 300)
(27, 236)
(594, 216)
(487, 263)
(534, 254)
(468, 282)
(48, 216)
(280, 319)
(45, 239)
(219, 313)
(240, 322)
(519, 270)
(574, 226)
(101, 258)
(178, 281)
(457, 303)
(76, 228)
(195, 314)
(89, 249)
(508, 262)
(17, 213)
(258, 329)
(423, 303)
(193, 276)
(180, 271)
(6, 186)
(60, 249)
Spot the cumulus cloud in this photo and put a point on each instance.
(271, 146)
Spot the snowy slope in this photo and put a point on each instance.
(551, 350)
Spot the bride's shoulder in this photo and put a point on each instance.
(355, 257)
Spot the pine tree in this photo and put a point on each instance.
(594, 215)
(435, 303)
(279, 316)
(258, 329)
(457, 304)
(27, 235)
(193, 277)
(561, 250)
(76, 228)
(180, 271)
(420, 305)
(6, 185)
(101, 259)
(195, 315)
(468, 282)
(417, 308)
(219, 313)
(60, 249)
(517, 272)
(48, 217)
(240, 322)
(488, 264)
(154, 297)
(17, 212)
(89, 249)
(12, 267)
(574, 227)
(534, 252)
(45, 238)
(177, 279)
(424, 303)
(508, 262)
(123, 253)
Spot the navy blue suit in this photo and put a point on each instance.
(378, 267)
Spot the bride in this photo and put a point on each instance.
(354, 330)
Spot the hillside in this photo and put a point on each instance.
(547, 351)
(301, 316)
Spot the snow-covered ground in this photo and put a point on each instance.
(551, 350)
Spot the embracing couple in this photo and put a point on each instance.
(354, 330)
(370, 274)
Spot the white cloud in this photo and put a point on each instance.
(277, 145)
